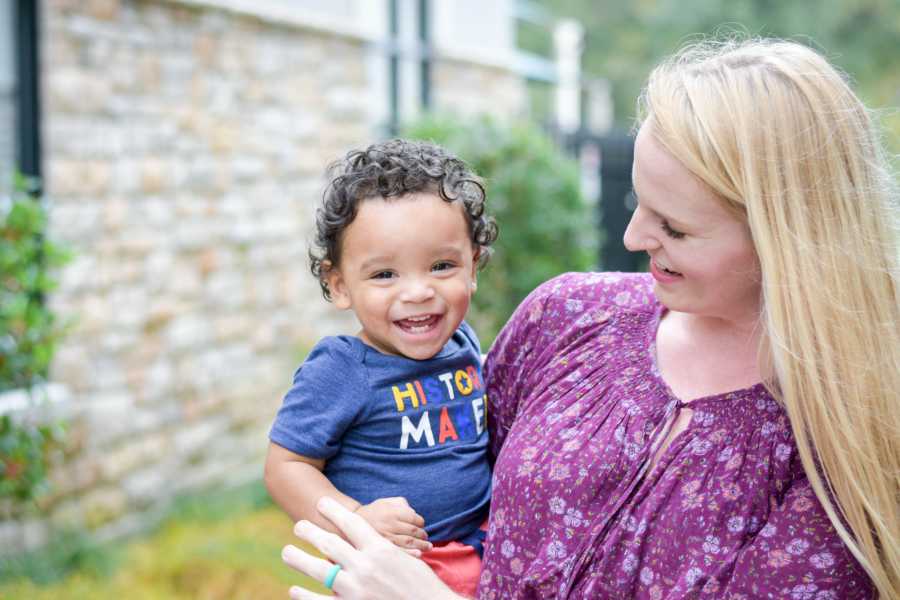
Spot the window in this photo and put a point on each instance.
(19, 99)
(7, 95)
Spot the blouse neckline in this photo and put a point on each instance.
(752, 391)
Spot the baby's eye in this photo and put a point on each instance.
(671, 232)
(442, 265)
(382, 275)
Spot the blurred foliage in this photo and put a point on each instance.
(546, 228)
(624, 40)
(29, 333)
(25, 450)
(28, 329)
(213, 546)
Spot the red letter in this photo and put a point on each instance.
(447, 428)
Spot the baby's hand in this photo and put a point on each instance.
(398, 522)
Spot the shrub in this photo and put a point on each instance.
(533, 190)
(29, 333)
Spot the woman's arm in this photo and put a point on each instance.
(797, 554)
(372, 568)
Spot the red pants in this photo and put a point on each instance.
(457, 564)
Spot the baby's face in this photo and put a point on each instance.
(407, 271)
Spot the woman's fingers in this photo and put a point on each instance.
(311, 565)
(329, 544)
(357, 529)
(299, 593)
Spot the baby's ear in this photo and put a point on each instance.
(337, 287)
(475, 258)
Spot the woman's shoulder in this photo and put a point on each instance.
(623, 290)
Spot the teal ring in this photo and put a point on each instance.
(332, 573)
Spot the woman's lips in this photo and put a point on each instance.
(663, 275)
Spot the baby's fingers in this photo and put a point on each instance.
(411, 545)
(407, 514)
(405, 529)
(416, 519)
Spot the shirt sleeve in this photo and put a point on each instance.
(797, 554)
(327, 395)
(507, 365)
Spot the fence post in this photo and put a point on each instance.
(568, 42)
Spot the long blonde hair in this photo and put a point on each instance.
(778, 134)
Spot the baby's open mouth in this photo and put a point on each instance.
(418, 324)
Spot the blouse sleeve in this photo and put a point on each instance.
(797, 554)
(509, 362)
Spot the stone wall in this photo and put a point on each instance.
(183, 148)
(467, 88)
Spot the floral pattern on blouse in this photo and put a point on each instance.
(576, 405)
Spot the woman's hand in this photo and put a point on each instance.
(372, 568)
(395, 519)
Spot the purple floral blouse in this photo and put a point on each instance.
(576, 408)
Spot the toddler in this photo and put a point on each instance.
(391, 422)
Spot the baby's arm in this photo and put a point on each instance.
(296, 483)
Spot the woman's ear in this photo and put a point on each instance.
(337, 287)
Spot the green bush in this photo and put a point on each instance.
(29, 333)
(546, 227)
(28, 329)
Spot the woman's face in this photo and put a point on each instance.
(701, 256)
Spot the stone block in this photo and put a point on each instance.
(93, 314)
(126, 176)
(146, 487)
(75, 476)
(223, 137)
(148, 73)
(77, 92)
(188, 331)
(158, 385)
(206, 49)
(104, 10)
(68, 515)
(232, 326)
(103, 505)
(153, 176)
(193, 438)
(132, 454)
(226, 290)
(183, 281)
(109, 415)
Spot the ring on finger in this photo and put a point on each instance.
(330, 577)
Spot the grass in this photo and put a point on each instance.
(225, 546)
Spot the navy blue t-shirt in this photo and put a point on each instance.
(393, 426)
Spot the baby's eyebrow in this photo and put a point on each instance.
(449, 250)
(374, 261)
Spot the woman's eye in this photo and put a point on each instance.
(671, 232)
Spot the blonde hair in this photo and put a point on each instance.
(778, 134)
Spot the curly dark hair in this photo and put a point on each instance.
(388, 170)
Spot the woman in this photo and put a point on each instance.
(726, 427)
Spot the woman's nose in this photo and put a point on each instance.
(640, 235)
